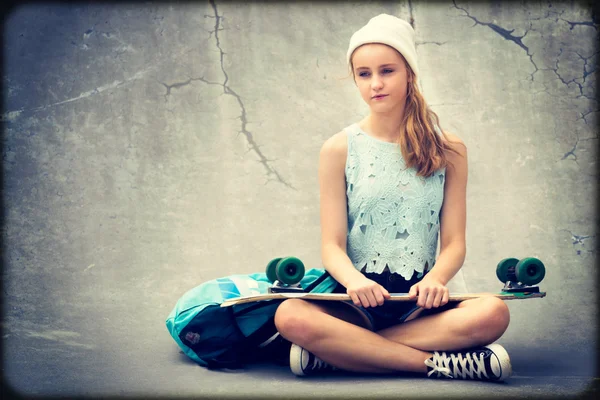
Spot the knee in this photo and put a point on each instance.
(491, 321)
(293, 321)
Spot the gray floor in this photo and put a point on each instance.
(151, 147)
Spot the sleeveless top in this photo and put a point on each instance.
(393, 214)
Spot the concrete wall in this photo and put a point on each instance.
(150, 147)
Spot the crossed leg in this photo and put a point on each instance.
(325, 331)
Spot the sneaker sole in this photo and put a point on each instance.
(296, 360)
(503, 360)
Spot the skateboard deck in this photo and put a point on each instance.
(519, 277)
(393, 297)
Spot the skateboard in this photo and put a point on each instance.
(520, 278)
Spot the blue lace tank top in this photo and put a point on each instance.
(393, 214)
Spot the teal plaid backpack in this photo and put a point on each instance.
(230, 337)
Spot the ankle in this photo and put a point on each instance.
(303, 362)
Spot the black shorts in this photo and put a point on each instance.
(393, 312)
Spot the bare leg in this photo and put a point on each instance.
(401, 348)
(472, 323)
(343, 344)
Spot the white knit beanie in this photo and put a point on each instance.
(390, 30)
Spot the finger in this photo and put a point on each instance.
(372, 299)
(363, 300)
(386, 294)
(379, 296)
(438, 298)
(422, 299)
(431, 295)
(355, 299)
(414, 290)
(445, 297)
(421, 296)
(424, 296)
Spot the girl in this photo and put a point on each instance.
(389, 184)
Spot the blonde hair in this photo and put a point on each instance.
(421, 146)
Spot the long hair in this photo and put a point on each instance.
(421, 146)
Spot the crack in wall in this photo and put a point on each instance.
(584, 115)
(11, 116)
(545, 90)
(175, 85)
(417, 44)
(579, 240)
(210, 33)
(410, 12)
(556, 68)
(178, 85)
(572, 152)
(216, 32)
(506, 34)
(586, 73)
(592, 23)
(228, 90)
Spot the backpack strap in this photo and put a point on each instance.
(317, 282)
(263, 335)
(314, 285)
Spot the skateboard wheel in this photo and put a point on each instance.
(271, 269)
(505, 271)
(530, 271)
(290, 270)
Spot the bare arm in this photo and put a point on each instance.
(334, 225)
(453, 215)
(334, 222)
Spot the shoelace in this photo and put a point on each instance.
(470, 365)
(319, 364)
(315, 363)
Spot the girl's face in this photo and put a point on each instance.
(381, 76)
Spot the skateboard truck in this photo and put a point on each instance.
(521, 276)
(279, 287)
(517, 287)
(286, 274)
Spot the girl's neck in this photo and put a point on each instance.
(382, 127)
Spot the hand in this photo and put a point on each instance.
(366, 292)
(430, 293)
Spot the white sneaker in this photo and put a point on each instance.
(489, 363)
(303, 362)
